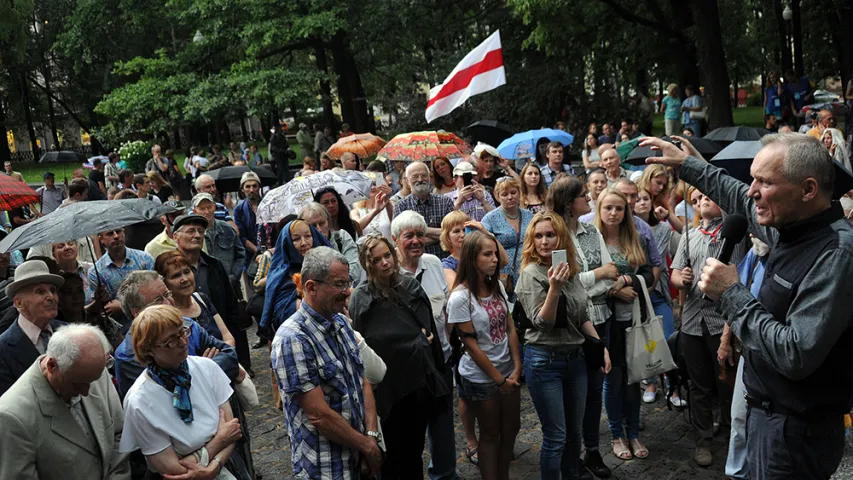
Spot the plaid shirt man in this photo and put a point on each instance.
(549, 175)
(306, 352)
(434, 209)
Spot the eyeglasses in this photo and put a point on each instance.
(162, 298)
(503, 179)
(175, 341)
(339, 285)
(192, 231)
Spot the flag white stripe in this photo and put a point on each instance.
(481, 83)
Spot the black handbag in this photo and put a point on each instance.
(255, 305)
(593, 352)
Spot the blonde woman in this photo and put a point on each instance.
(656, 181)
(631, 255)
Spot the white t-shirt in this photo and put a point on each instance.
(434, 284)
(152, 424)
(489, 317)
(201, 161)
(380, 224)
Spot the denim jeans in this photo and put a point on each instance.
(737, 463)
(622, 401)
(442, 436)
(557, 383)
(664, 309)
(594, 400)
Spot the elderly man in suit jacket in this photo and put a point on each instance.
(62, 419)
(34, 295)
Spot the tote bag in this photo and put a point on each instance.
(646, 351)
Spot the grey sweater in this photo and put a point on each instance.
(532, 289)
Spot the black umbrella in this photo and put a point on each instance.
(66, 156)
(81, 220)
(727, 135)
(228, 178)
(492, 132)
(638, 155)
(737, 160)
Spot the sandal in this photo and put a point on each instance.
(621, 450)
(471, 453)
(640, 451)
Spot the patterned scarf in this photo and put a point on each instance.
(178, 382)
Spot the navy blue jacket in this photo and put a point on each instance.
(17, 354)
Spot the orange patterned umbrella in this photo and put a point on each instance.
(425, 146)
(362, 144)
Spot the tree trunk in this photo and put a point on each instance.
(797, 33)
(842, 38)
(713, 58)
(350, 89)
(28, 115)
(51, 114)
(5, 153)
(325, 88)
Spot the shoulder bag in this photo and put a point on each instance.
(646, 351)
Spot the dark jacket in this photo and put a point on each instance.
(17, 354)
(221, 292)
(127, 369)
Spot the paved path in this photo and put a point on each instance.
(666, 434)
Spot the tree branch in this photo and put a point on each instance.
(62, 104)
(307, 43)
(634, 18)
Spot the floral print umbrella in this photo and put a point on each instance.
(425, 147)
(362, 144)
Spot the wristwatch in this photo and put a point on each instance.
(375, 435)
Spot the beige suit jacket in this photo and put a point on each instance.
(40, 439)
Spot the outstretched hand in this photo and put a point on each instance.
(672, 155)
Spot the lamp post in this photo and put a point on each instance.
(788, 15)
(199, 37)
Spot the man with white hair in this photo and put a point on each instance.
(409, 231)
(63, 419)
(206, 184)
(429, 205)
(34, 295)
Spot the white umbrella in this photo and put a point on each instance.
(291, 197)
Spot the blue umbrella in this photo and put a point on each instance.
(523, 145)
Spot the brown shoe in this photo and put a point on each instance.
(703, 457)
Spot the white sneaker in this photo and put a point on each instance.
(649, 396)
(678, 402)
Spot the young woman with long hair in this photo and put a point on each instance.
(442, 176)
(656, 181)
(590, 152)
(338, 211)
(533, 190)
(491, 367)
(555, 301)
(631, 256)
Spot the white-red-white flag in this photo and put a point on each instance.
(480, 71)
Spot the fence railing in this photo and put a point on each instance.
(26, 156)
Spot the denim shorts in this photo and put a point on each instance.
(477, 392)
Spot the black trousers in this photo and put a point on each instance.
(785, 447)
(700, 354)
(404, 430)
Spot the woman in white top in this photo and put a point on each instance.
(177, 412)
(374, 214)
(491, 367)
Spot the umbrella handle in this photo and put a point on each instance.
(95, 263)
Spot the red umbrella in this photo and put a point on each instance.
(15, 194)
(425, 147)
(362, 144)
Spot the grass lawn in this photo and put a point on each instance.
(747, 116)
(33, 172)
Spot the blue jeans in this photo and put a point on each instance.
(664, 309)
(557, 383)
(622, 401)
(442, 437)
(737, 464)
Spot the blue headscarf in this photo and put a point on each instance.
(280, 298)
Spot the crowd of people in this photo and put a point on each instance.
(479, 274)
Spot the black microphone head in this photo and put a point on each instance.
(734, 227)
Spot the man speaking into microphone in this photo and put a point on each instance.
(798, 344)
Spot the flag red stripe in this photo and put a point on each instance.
(494, 59)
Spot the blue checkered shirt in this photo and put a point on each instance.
(549, 175)
(434, 209)
(112, 274)
(473, 208)
(308, 352)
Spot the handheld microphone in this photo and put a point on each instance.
(732, 233)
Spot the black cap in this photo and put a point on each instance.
(46, 175)
(190, 219)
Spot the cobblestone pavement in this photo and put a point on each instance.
(666, 434)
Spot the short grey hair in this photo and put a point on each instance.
(128, 292)
(317, 264)
(422, 164)
(804, 157)
(199, 179)
(408, 220)
(66, 341)
(311, 210)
